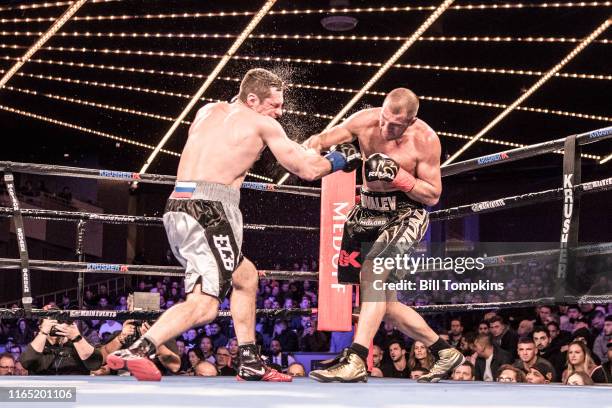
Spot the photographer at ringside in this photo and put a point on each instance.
(59, 349)
(167, 358)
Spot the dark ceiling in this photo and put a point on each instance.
(112, 90)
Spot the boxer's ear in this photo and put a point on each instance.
(252, 100)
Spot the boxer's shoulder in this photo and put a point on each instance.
(423, 133)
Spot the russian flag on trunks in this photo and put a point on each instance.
(183, 189)
(335, 300)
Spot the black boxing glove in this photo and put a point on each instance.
(345, 157)
(380, 167)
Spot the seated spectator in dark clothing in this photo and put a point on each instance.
(223, 360)
(490, 358)
(398, 367)
(65, 194)
(296, 370)
(579, 378)
(276, 355)
(528, 356)
(182, 352)
(558, 337)
(464, 372)
(66, 303)
(7, 364)
(287, 338)
(539, 374)
(603, 373)
(547, 351)
(456, 332)
(503, 336)
(600, 345)
(311, 339)
(386, 334)
(208, 350)
(216, 335)
(418, 373)
(23, 333)
(59, 349)
(508, 373)
(420, 357)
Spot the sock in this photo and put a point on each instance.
(439, 345)
(360, 350)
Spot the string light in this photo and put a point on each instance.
(94, 104)
(307, 37)
(209, 80)
(606, 159)
(48, 5)
(446, 68)
(547, 76)
(82, 129)
(356, 10)
(58, 23)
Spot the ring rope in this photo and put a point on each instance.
(73, 216)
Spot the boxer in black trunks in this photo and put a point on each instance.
(401, 177)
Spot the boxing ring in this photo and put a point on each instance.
(384, 392)
(213, 392)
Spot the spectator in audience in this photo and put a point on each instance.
(503, 336)
(109, 327)
(19, 370)
(7, 364)
(464, 372)
(232, 348)
(578, 360)
(311, 339)
(194, 356)
(490, 358)
(207, 349)
(398, 367)
(558, 338)
(287, 338)
(284, 360)
(223, 362)
(190, 338)
(539, 374)
(66, 303)
(182, 352)
(569, 319)
(420, 356)
(23, 333)
(466, 346)
(418, 373)
(544, 313)
(525, 328)
(59, 348)
(528, 356)
(543, 343)
(377, 356)
(579, 378)
(603, 373)
(483, 327)
(456, 332)
(600, 348)
(65, 194)
(508, 373)
(387, 334)
(205, 369)
(296, 370)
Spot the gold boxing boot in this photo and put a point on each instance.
(349, 368)
(448, 360)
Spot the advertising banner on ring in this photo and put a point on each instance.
(335, 300)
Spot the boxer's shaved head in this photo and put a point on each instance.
(402, 101)
(259, 81)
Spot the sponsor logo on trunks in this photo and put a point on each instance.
(492, 158)
(379, 203)
(224, 246)
(347, 259)
(373, 222)
(417, 224)
(120, 174)
(486, 205)
(252, 185)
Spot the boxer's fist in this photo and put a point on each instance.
(380, 167)
(345, 157)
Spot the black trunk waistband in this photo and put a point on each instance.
(387, 201)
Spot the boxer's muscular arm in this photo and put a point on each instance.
(345, 132)
(428, 187)
(306, 164)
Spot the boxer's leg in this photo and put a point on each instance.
(409, 322)
(242, 301)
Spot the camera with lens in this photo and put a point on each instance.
(60, 320)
